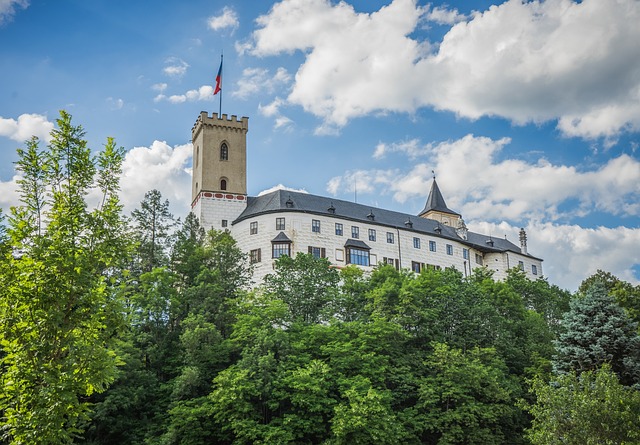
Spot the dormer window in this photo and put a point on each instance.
(289, 203)
(371, 216)
(331, 209)
(224, 152)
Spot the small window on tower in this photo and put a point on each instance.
(224, 152)
(223, 184)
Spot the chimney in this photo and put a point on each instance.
(523, 241)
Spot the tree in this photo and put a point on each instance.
(596, 330)
(60, 310)
(625, 294)
(307, 284)
(153, 222)
(588, 409)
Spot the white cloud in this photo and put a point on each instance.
(160, 167)
(204, 93)
(26, 126)
(412, 148)
(574, 62)
(227, 19)
(572, 253)
(159, 87)
(8, 9)
(260, 80)
(479, 185)
(115, 104)
(443, 16)
(176, 67)
(281, 187)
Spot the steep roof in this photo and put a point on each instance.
(289, 201)
(435, 201)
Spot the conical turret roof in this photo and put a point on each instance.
(435, 202)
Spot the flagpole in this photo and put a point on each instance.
(220, 111)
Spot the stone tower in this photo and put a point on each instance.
(219, 179)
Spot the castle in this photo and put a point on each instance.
(286, 222)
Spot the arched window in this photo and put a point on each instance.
(223, 184)
(197, 154)
(224, 152)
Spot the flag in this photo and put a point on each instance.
(218, 87)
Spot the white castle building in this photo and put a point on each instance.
(286, 222)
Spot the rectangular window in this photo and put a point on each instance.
(449, 249)
(280, 225)
(373, 258)
(224, 223)
(372, 234)
(255, 256)
(339, 229)
(390, 237)
(392, 262)
(520, 265)
(253, 228)
(433, 267)
(534, 269)
(479, 259)
(416, 242)
(355, 232)
(432, 246)
(339, 255)
(416, 266)
(357, 256)
(315, 225)
(318, 252)
(465, 254)
(279, 249)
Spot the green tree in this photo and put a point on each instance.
(598, 331)
(153, 223)
(60, 311)
(592, 408)
(625, 294)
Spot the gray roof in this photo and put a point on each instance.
(289, 201)
(435, 201)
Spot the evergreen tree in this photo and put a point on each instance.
(152, 222)
(596, 331)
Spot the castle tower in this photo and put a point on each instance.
(436, 208)
(219, 179)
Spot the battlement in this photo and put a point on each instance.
(224, 122)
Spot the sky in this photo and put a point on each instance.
(528, 113)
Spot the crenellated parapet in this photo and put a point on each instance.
(225, 122)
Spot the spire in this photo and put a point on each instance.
(435, 202)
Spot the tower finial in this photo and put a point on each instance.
(434, 174)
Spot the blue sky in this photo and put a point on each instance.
(529, 113)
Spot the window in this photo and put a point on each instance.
(416, 242)
(449, 249)
(253, 228)
(534, 269)
(315, 225)
(465, 254)
(318, 252)
(520, 265)
(280, 224)
(254, 256)
(339, 229)
(417, 267)
(224, 152)
(390, 237)
(433, 267)
(223, 184)
(479, 259)
(357, 256)
(279, 249)
(432, 246)
(392, 262)
(339, 255)
(224, 223)
(355, 232)
(372, 234)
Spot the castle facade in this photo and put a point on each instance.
(286, 222)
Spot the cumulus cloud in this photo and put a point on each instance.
(281, 187)
(175, 67)
(160, 167)
(412, 148)
(481, 186)
(227, 19)
(204, 93)
(571, 62)
(8, 9)
(25, 126)
(260, 80)
(444, 16)
(572, 253)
